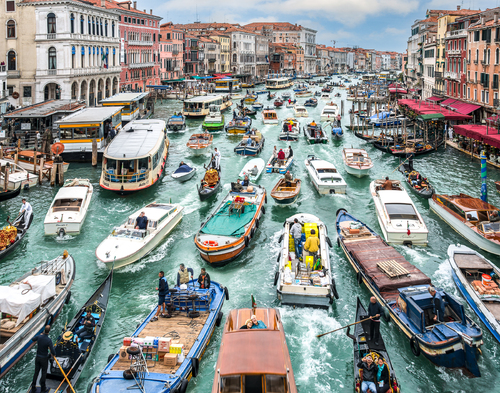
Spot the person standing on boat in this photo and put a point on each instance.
(26, 209)
(204, 279)
(437, 301)
(217, 158)
(374, 312)
(366, 364)
(162, 292)
(141, 222)
(183, 274)
(47, 140)
(296, 232)
(42, 358)
(281, 158)
(245, 182)
(290, 152)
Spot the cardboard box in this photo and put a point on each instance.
(164, 344)
(123, 353)
(149, 341)
(170, 359)
(176, 348)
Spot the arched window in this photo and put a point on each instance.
(93, 26)
(52, 59)
(113, 29)
(11, 61)
(101, 27)
(72, 23)
(82, 63)
(82, 23)
(11, 28)
(497, 56)
(51, 24)
(106, 27)
(89, 25)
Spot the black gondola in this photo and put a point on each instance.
(71, 355)
(425, 189)
(247, 112)
(210, 183)
(363, 346)
(22, 227)
(8, 194)
(381, 147)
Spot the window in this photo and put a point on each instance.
(90, 25)
(401, 211)
(52, 59)
(11, 29)
(11, 61)
(100, 23)
(113, 29)
(73, 57)
(93, 26)
(82, 63)
(72, 23)
(10, 5)
(133, 20)
(142, 21)
(82, 23)
(106, 28)
(51, 23)
(26, 91)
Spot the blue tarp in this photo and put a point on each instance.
(183, 169)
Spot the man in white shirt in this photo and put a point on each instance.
(26, 210)
(217, 158)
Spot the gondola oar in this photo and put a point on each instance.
(69, 372)
(401, 163)
(343, 327)
(63, 373)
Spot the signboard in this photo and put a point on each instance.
(2, 133)
(26, 126)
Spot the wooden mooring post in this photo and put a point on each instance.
(94, 152)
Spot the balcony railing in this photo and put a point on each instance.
(451, 75)
(475, 61)
(494, 85)
(483, 62)
(454, 52)
(140, 43)
(141, 65)
(456, 33)
(438, 75)
(13, 74)
(93, 71)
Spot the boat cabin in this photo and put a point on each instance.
(227, 85)
(156, 214)
(200, 105)
(77, 131)
(269, 114)
(132, 104)
(278, 83)
(70, 199)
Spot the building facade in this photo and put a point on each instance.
(242, 52)
(429, 62)
(171, 52)
(261, 56)
(224, 41)
(191, 55)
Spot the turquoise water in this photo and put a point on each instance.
(320, 365)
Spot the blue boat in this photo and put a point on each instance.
(483, 296)
(337, 132)
(250, 146)
(194, 314)
(402, 290)
(311, 102)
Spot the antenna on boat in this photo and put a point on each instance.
(484, 187)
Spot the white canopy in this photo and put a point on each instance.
(13, 302)
(44, 285)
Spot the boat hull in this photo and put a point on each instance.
(206, 193)
(186, 177)
(285, 201)
(356, 171)
(73, 228)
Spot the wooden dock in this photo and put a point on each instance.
(470, 154)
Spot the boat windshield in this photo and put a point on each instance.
(491, 227)
(128, 233)
(401, 211)
(273, 383)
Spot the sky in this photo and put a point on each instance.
(370, 24)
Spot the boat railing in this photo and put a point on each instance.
(109, 175)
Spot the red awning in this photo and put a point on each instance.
(435, 99)
(480, 133)
(448, 101)
(423, 107)
(464, 107)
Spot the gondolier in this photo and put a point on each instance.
(26, 209)
(42, 358)
(217, 158)
(374, 312)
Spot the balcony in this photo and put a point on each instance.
(140, 43)
(175, 52)
(92, 71)
(454, 52)
(141, 65)
(475, 61)
(456, 33)
(13, 74)
(494, 85)
(483, 62)
(496, 102)
(438, 75)
(451, 75)
(78, 37)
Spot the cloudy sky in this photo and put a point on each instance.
(377, 24)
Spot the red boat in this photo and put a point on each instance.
(278, 103)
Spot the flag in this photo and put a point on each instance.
(104, 60)
(408, 227)
(254, 303)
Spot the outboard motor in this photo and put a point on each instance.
(61, 233)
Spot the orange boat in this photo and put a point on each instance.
(26, 160)
(228, 231)
(254, 360)
(200, 143)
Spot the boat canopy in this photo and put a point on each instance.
(76, 192)
(183, 169)
(224, 224)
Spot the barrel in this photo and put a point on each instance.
(486, 279)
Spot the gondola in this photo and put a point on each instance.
(364, 345)
(72, 356)
(21, 227)
(403, 151)
(247, 112)
(286, 195)
(379, 146)
(425, 189)
(9, 194)
(210, 183)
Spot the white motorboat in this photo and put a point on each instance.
(324, 176)
(269, 116)
(183, 173)
(329, 112)
(398, 217)
(287, 134)
(356, 162)
(310, 282)
(69, 208)
(126, 244)
(275, 166)
(18, 176)
(300, 111)
(325, 96)
(248, 169)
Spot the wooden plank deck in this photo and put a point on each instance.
(470, 261)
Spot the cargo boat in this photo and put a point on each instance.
(195, 312)
(402, 290)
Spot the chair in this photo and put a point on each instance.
(112, 177)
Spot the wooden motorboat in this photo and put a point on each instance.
(477, 279)
(200, 143)
(9, 194)
(231, 226)
(176, 122)
(27, 159)
(12, 234)
(329, 112)
(286, 194)
(308, 282)
(278, 103)
(254, 360)
(251, 145)
(33, 301)
(214, 121)
(253, 169)
(290, 135)
(210, 183)
(315, 134)
(471, 217)
(73, 355)
(300, 111)
(398, 217)
(275, 166)
(239, 125)
(69, 208)
(126, 244)
(324, 176)
(402, 290)
(257, 106)
(250, 98)
(356, 162)
(364, 345)
(244, 111)
(418, 184)
(269, 116)
(194, 315)
(184, 173)
(303, 94)
(311, 102)
(17, 175)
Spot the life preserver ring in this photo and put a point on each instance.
(15, 95)
(414, 346)
(210, 243)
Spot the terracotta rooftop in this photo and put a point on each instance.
(274, 26)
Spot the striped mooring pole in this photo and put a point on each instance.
(484, 188)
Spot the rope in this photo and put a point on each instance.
(173, 335)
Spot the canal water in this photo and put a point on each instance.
(320, 365)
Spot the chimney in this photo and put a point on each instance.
(135, 4)
(151, 11)
(482, 20)
(495, 17)
(458, 8)
(103, 3)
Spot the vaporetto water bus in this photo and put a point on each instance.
(278, 83)
(227, 85)
(78, 130)
(133, 104)
(135, 158)
(199, 106)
